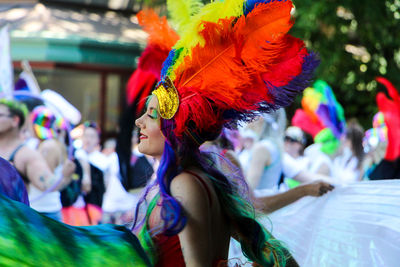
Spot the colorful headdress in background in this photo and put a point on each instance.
(43, 122)
(160, 41)
(61, 123)
(377, 134)
(234, 60)
(322, 116)
(391, 113)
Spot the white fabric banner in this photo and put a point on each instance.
(356, 225)
(6, 68)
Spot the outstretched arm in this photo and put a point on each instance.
(272, 203)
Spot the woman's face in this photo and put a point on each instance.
(151, 139)
(292, 147)
(90, 139)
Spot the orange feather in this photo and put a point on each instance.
(160, 33)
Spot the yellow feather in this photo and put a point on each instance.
(181, 12)
(211, 12)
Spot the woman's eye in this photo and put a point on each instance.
(153, 114)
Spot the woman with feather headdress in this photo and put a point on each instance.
(234, 60)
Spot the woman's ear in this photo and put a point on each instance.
(16, 121)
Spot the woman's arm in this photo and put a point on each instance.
(51, 152)
(195, 238)
(39, 173)
(272, 203)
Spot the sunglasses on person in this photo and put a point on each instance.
(291, 140)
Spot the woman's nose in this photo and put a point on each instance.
(138, 122)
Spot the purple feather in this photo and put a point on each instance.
(284, 95)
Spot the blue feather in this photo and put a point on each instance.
(170, 61)
(249, 5)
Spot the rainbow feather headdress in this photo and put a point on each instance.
(322, 116)
(234, 60)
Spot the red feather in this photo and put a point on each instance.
(391, 113)
(231, 68)
(307, 124)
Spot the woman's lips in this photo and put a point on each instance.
(142, 136)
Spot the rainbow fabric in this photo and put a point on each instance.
(28, 238)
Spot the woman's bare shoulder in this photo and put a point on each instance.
(189, 191)
(50, 143)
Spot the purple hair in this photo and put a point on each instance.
(179, 153)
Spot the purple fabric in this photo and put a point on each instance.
(11, 184)
(21, 85)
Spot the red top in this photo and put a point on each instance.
(169, 251)
(169, 247)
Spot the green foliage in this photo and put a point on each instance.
(356, 41)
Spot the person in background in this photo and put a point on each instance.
(263, 167)
(322, 151)
(43, 122)
(223, 150)
(268, 166)
(375, 142)
(118, 205)
(229, 163)
(41, 180)
(294, 143)
(109, 147)
(86, 210)
(347, 165)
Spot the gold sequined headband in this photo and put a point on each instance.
(168, 98)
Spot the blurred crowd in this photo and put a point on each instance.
(71, 177)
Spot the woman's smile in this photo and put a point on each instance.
(142, 136)
(149, 125)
